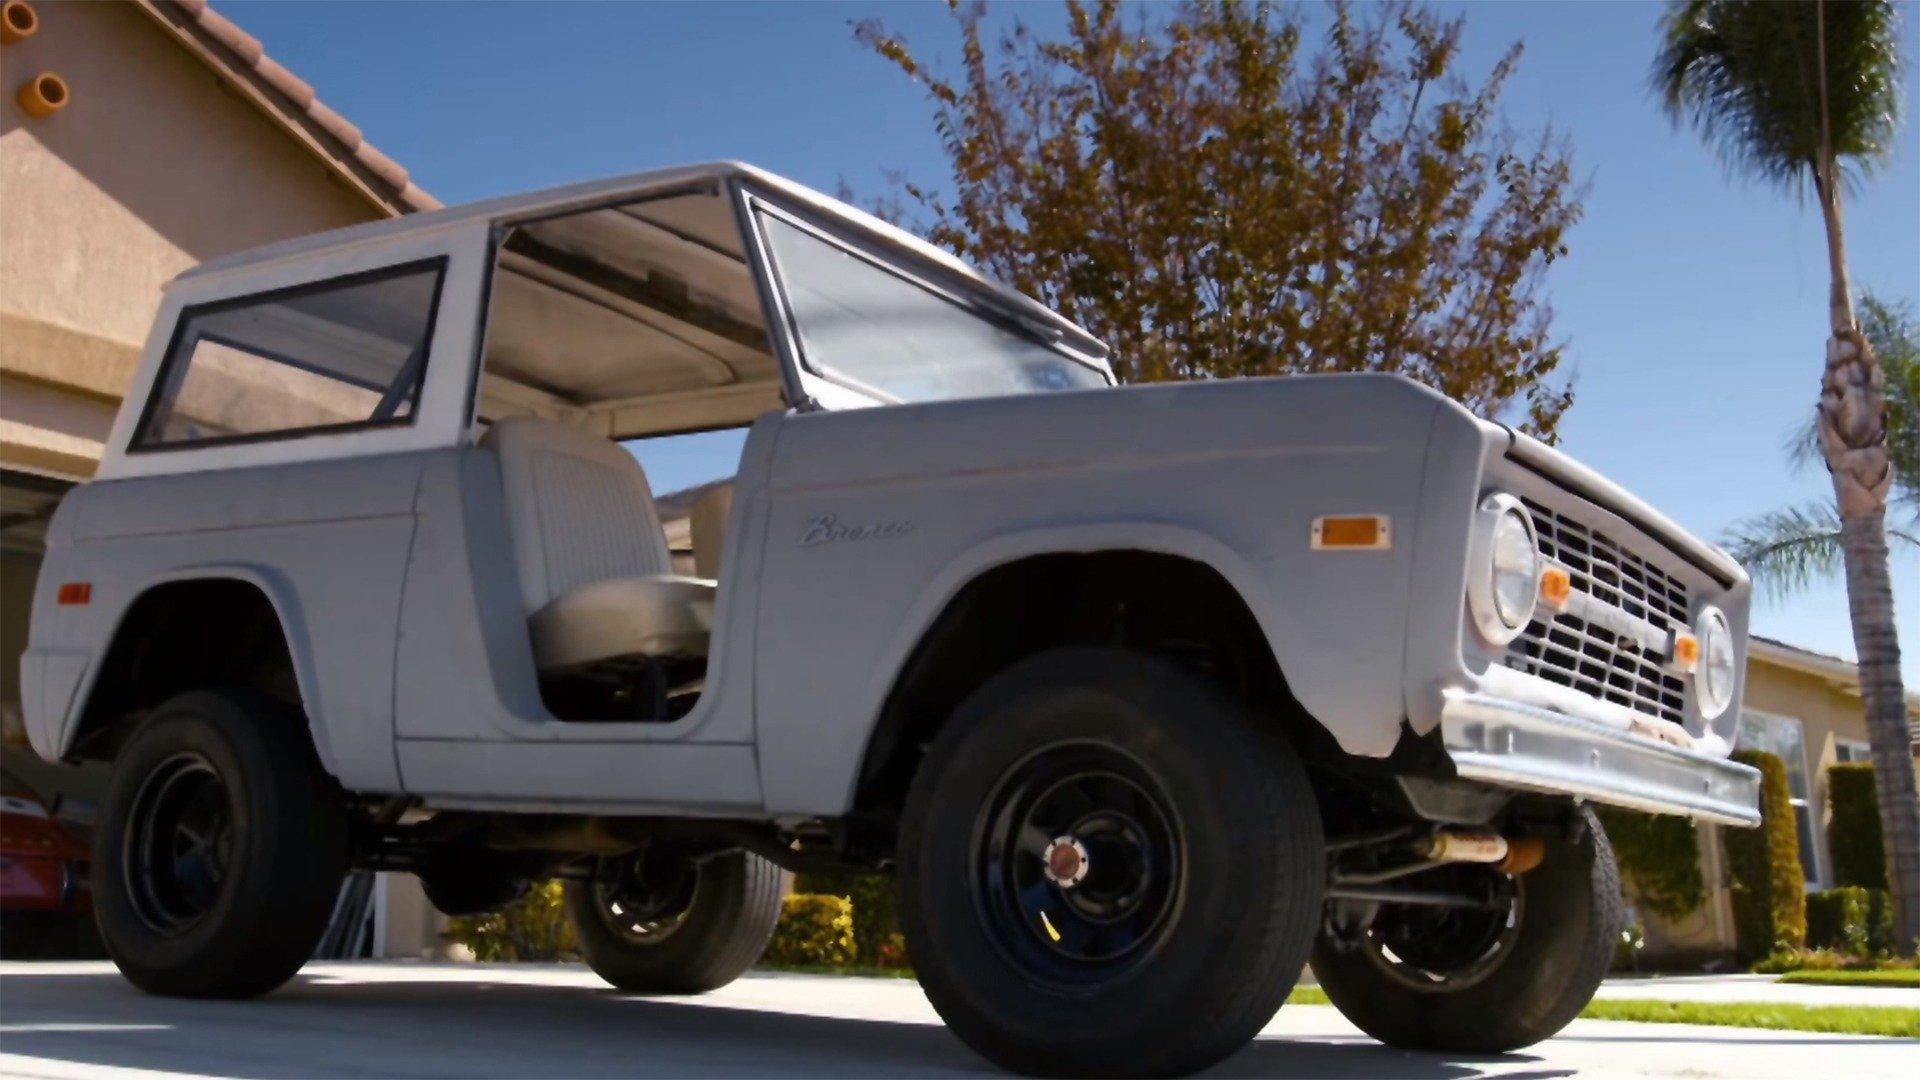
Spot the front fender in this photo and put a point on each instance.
(88, 651)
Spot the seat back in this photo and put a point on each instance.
(708, 526)
(578, 508)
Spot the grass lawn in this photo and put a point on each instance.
(1838, 1019)
(1841, 1019)
(1907, 977)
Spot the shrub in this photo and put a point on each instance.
(1850, 920)
(814, 931)
(1659, 858)
(876, 915)
(1764, 878)
(533, 927)
(1828, 960)
(1853, 832)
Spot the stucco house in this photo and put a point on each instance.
(1805, 707)
(137, 139)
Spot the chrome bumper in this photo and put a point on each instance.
(1524, 746)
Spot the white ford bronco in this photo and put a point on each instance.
(1145, 695)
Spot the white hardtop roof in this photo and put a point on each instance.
(487, 213)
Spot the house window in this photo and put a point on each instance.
(1848, 751)
(1785, 738)
(337, 355)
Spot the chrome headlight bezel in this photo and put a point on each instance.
(1712, 629)
(1492, 538)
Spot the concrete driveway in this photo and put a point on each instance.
(410, 1019)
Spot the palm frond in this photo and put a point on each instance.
(1789, 549)
(1745, 74)
(1893, 328)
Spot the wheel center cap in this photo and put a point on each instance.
(1066, 862)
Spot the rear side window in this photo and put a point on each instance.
(338, 355)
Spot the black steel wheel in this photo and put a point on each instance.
(220, 848)
(1079, 863)
(1108, 866)
(178, 843)
(1506, 973)
(666, 920)
(1428, 947)
(647, 898)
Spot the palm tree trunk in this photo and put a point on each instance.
(1870, 602)
(1853, 438)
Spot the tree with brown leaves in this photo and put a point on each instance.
(1214, 200)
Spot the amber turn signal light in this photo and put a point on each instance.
(1556, 588)
(1686, 651)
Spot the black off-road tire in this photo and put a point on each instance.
(1242, 858)
(720, 933)
(1570, 919)
(286, 849)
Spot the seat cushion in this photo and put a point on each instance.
(659, 616)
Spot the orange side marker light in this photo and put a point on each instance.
(74, 593)
(1358, 532)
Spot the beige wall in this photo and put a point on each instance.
(153, 167)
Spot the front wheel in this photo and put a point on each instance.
(219, 850)
(664, 921)
(1495, 977)
(1108, 866)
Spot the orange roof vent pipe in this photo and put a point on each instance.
(18, 21)
(43, 95)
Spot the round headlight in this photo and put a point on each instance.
(1505, 568)
(1714, 678)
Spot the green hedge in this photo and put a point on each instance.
(1659, 859)
(814, 931)
(1764, 877)
(876, 915)
(1850, 920)
(1853, 831)
(533, 927)
(839, 920)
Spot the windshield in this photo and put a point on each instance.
(881, 333)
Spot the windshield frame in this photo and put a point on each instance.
(756, 205)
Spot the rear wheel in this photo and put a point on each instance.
(219, 850)
(1505, 974)
(1108, 866)
(663, 921)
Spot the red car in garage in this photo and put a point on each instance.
(46, 909)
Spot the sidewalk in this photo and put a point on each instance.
(1753, 988)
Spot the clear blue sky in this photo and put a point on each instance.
(1693, 307)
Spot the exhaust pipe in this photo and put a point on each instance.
(1515, 856)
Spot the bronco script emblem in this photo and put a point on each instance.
(827, 529)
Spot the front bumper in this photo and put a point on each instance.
(1511, 744)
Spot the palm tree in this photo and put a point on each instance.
(1788, 549)
(1807, 97)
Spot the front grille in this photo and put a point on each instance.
(1569, 650)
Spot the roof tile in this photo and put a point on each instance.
(244, 56)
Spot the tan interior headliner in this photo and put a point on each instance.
(637, 319)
